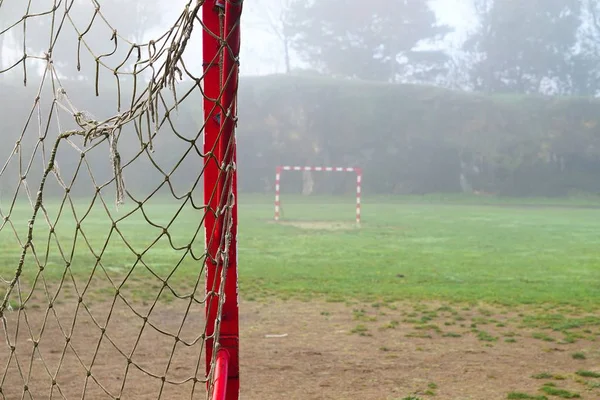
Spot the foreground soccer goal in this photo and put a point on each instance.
(118, 208)
(280, 169)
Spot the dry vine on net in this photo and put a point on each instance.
(103, 199)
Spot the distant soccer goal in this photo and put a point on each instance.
(118, 199)
(353, 170)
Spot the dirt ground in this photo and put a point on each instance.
(318, 225)
(298, 350)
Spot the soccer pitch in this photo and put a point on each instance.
(429, 296)
(499, 253)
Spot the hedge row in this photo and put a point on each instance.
(406, 138)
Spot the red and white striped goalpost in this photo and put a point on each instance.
(280, 169)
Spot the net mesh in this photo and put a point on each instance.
(102, 206)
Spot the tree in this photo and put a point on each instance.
(585, 72)
(375, 40)
(523, 46)
(10, 14)
(272, 17)
(42, 25)
(119, 12)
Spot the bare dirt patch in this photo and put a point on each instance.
(336, 351)
(308, 350)
(320, 225)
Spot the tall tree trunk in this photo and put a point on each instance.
(286, 50)
(307, 183)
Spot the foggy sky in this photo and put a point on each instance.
(262, 54)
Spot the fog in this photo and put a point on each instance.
(445, 96)
(436, 234)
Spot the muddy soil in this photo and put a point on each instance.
(297, 350)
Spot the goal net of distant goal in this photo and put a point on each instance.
(118, 208)
(310, 169)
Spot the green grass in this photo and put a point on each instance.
(588, 374)
(542, 336)
(407, 248)
(453, 252)
(559, 322)
(524, 396)
(542, 375)
(486, 337)
(562, 393)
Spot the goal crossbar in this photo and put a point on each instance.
(279, 170)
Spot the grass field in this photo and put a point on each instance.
(495, 253)
(458, 251)
(421, 278)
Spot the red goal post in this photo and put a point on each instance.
(220, 54)
(281, 168)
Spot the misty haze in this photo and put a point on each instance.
(415, 184)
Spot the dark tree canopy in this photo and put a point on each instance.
(524, 46)
(365, 40)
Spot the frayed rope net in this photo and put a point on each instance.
(101, 283)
